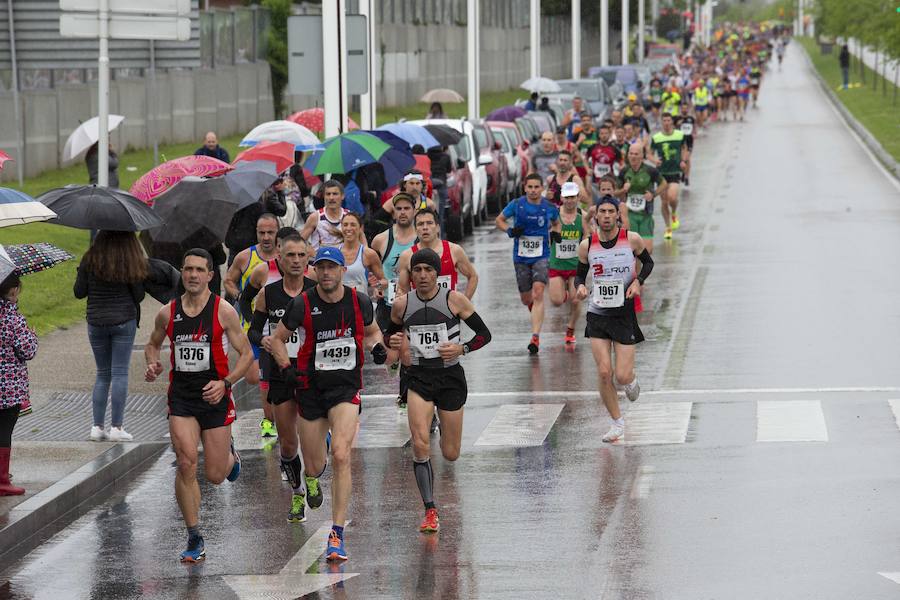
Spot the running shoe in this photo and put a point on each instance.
(616, 431)
(297, 514)
(236, 469)
(267, 429)
(394, 369)
(431, 523)
(570, 337)
(534, 345)
(97, 434)
(313, 492)
(401, 403)
(335, 549)
(675, 222)
(668, 234)
(118, 434)
(633, 390)
(196, 551)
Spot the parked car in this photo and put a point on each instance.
(544, 121)
(529, 129)
(662, 50)
(498, 171)
(513, 161)
(594, 92)
(610, 75)
(521, 145)
(644, 74)
(459, 194)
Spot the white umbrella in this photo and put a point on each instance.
(17, 208)
(87, 134)
(7, 266)
(282, 131)
(541, 85)
(442, 95)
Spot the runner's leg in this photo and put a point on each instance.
(419, 414)
(601, 349)
(557, 291)
(451, 432)
(537, 309)
(343, 418)
(574, 303)
(185, 435)
(217, 457)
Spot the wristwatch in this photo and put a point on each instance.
(228, 384)
(465, 349)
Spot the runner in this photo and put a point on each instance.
(611, 321)
(236, 279)
(602, 156)
(671, 157)
(564, 257)
(656, 93)
(536, 224)
(701, 100)
(565, 172)
(413, 183)
(755, 79)
(430, 317)
(639, 184)
(323, 227)
(543, 156)
(270, 307)
(363, 264)
(338, 322)
(389, 245)
(201, 408)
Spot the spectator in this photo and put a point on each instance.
(440, 170)
(844, 59)
(545, 106)
(92, 161)
(212, 148)
(436, 111)
(18, 344)
(110, 276)
(531, 103)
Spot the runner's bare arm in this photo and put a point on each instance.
(379, 242)
(279, 350)
(157, 336)
(402, 271)
(640, 251)
(583, 195)
(466, 268)
(257, 281)
(501, 223)
(373, 264)
(214, 391)
(233, 276)
(312, 221)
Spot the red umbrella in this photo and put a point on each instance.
(3, 158)
(158, 180)
(280, 153)
(314, 119)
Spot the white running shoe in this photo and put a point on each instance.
(97, 434)
(616, 431)
(633, 390)
(118, 434)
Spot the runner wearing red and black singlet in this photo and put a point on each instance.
(338, 323)
(603, 156)
(200, 327)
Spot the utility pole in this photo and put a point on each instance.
(576, 39)
(334, 63)
(473, 59)
(103, 97)
(625, 27)
(535, 38)
(604, 33)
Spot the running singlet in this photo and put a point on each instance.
(533, 244)
(276, 305)
(327, 233)
(645, 179)
(448, 276)
(428, 324)
(671, 103)
(392, 253)
(199, 350)
(602, 157)
(255, 259)
(656, 95)
(701, 96)
(357, 276)
(564, 254)
(612, 271)
(555, 189)
(668, 148)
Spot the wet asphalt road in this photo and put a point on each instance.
(761, 460)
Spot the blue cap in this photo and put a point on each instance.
(330, 253)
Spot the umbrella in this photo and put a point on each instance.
(7, 266)
(158, 180)
(444, 134)
(195, 209)
(412, 134)
(17, 208)
(314, 119)
(94, 207)
(32, 258)
(282, 131)
(86, 135)
(349, 151)
(249, 180)
(541, 85)
(3, 158)
(442, 95)
(507, 113)
(279, 153)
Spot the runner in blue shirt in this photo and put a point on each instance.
(535, 224)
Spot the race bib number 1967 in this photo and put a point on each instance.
(608, 293)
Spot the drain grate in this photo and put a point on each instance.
(67, 417)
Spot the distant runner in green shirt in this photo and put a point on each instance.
(639, 184)
(671, 155)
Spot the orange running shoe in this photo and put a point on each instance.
(570, 336)
(431, 523)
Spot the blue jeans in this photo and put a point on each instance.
(845, 74)
(112, 346)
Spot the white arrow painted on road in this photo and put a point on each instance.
(292, 581)
(895, 577)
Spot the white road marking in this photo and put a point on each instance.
(790, 421)
(895, 407)
(895, 577)
(520, 425)
(382, 427)
(642, 482)
(656, 423)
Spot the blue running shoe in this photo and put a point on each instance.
(236, 469)
(196, 550)
(335, 549)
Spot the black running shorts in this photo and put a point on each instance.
(445, 386)
(672, 177)
(620, 329)
(315, 405)
(208, 415)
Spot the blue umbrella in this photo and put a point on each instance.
(412, 134)
(350, 151)
(17, 208)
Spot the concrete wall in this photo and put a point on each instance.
(228, 100)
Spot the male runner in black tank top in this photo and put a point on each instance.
(430, 351)
(200, 326)
(338, 323)
(270, 308)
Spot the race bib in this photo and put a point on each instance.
(531, 246)
(391, 292)
(687, 128)
(424, 340)
(567, 249)
(444, 281)
(334, 355)
(637, 202)
(608, 293)
(192, 357)
(754, 81)
(601, 170)
(295, 341)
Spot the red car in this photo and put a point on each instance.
(497, 171)
(459, 192)
(521, 149)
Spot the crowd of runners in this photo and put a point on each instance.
(312, 305)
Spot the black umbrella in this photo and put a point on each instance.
(249, 180)
(93, 207)
(194, 209)
(444, 134)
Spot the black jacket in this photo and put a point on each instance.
(93, 164)
(844, 58)
(108, 303)
(219, 152)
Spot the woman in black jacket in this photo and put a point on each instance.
(110, 276)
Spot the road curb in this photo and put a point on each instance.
(55, 507)
(892, 166)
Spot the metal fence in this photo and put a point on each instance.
(495, 13)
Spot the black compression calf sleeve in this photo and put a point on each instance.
(245, 302)
(482, 333)
(646, 266)
(425, 480)
(581, 274)
(293, 468)
(254, 334)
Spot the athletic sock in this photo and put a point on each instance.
(620, 421)
(193, 532)
(425, 480)
(293, 467)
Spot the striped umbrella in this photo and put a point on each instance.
(158, 180)
(17, 208)
(349, 151)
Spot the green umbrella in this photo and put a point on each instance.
(349, 151)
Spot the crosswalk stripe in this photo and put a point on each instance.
(790, 421)
(657, 423)
(520, 425)
(382, 427)
(895, 407)
(895, 577)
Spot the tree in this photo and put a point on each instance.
(277, 55)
